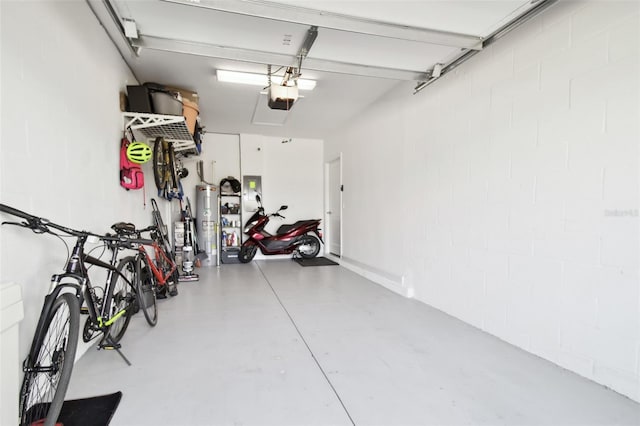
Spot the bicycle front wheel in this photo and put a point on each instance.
(146, 288)
(122, 298)
(174, 180)
(160, 163)
(50, 362)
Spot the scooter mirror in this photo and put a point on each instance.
(257, 198)
(284, 207)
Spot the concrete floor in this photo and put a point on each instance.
(273, 343)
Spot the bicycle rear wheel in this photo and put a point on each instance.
(173, 279)
(146, 289)
(162, 236)
(160, 163)
(173, 174)
(50, 362)
(122, 298)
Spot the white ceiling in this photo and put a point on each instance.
(183, 42)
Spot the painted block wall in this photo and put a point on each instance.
(60, 139)
(507, 193)
(220, 158)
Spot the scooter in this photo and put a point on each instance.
(295, 238)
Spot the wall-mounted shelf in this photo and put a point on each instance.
(231, 226)
(172, 128)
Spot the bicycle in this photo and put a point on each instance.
(162, 237)
(167, 170)
(49, 363)
(157, 274)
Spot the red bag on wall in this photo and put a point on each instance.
(131, 176)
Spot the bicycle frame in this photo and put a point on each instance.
(154, 264)
(98, 317)
(75, 270)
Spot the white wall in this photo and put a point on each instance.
(506, 194)
(60, 138)
(220, 157)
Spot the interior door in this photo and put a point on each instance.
(334, 212)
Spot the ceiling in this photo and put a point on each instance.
(363, 49)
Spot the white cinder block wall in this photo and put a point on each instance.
(61, 130)
(506, 194)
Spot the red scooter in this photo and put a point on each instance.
(297, 237)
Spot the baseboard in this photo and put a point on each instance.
(395, 283)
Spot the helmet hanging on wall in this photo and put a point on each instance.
(230, 183)
(138, 152)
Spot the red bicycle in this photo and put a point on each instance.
(158, 274)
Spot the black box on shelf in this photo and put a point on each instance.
(139, 99)
(230, 255)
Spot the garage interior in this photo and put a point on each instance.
(479, 161)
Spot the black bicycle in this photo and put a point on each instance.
(49, 363)
(167, 170)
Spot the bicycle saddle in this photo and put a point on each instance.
(124, 228)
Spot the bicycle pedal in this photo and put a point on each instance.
(111, 347)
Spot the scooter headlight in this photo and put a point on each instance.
(249, 225)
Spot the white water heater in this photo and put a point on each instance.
(207, 222)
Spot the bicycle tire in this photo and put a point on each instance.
(50, 363)
(122, 298)
(160, 163)
(172, 173)
(173, 279)
(163, 234)
(146, 289)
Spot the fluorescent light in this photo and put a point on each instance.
(259, 79)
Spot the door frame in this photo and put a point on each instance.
(327, 197)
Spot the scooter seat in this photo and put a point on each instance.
(286, 228)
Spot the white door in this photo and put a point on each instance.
(335, 208)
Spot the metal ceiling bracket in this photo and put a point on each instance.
(258, 57)
(538, 7)
(306, 16)
(116, 22)
(312, 34)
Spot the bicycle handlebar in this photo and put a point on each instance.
(130, 243)
(148, 228)
(42, 225)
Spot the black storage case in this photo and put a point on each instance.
(230, 255)
(139, 99)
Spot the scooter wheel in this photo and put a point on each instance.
(247, 253)
(309, 247)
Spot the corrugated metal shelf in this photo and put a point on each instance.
(172, 128)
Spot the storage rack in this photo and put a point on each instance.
(173, 128)
(235, 227)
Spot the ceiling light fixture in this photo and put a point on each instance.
(259, 79)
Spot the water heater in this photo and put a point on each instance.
(207, 222)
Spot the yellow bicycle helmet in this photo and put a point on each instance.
(138, 152)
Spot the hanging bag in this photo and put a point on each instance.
(131, 176)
